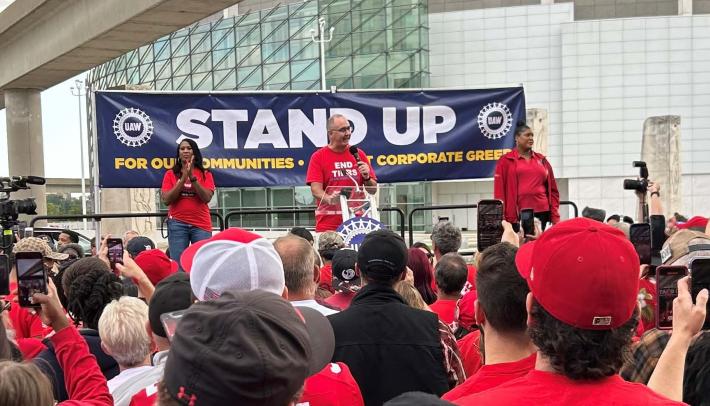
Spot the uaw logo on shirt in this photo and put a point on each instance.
(495, 120)
(355, 229)
(132, 127)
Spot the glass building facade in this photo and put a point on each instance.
(374, 45)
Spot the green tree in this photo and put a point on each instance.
(60, 204)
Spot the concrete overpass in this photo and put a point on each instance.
(44, 42)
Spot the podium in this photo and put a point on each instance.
(349, 202)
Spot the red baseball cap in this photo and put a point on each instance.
(156, 265)
(582, 272)
(696, 222)
(333, 385)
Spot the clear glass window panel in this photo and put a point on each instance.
(282, 197)
(200, 27)
(310, 85)
(121, 64)
(276, 73)
(200, 42)
(146, 72)
(247, 35)
(202, 81)
(341, 22)
(300, 28)
(146, 53)
(225, 79)
(276, 86)
(361, 61)
(305, 70)
(179, 46)
(279, 13)
(161, 49)
(132, 58)
(405, 39)
(338, 67)
(346, 83)
(223, 39)
(303, 9)
(181, 66)
(274, 52)
(163, 84)
(250, 55)
(162, 69)
(371, 20)
(223, 59)
(250, 18)
(182, 82)
(303, 49)
(254, 198)
(224, 23)
(249, 77)
(403, 17)
(337, 6)
(274, 31)
(341, 45)
(202, 63)
(402, 62)
(133, 77)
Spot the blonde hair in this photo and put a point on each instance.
(24, 384)
(123, 332)
(411, 295)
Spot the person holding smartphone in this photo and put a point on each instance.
(186, 190)
(524, 180)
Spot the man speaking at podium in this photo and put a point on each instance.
(337, 164)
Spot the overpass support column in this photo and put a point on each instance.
(24, 141)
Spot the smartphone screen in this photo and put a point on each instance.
(700, 279)
(115, 251)
(490, 230)
(4, 275)
(170, 321)
(527, 221)
(31, 277)
(667, 285)
(640, 236)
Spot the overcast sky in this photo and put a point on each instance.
(60, 125)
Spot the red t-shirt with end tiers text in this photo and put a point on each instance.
(490, 376)
(332, 168)
(547, 388)
(189, 208)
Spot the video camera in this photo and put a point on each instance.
(639, 184)
(11, 209)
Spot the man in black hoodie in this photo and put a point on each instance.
(391, 348)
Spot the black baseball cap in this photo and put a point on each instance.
(343, 267)
(171, 294)
(382, 252)
(250, 348)
(136, 245)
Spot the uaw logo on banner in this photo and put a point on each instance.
(132, 127)
(495, 120)
(355, 229)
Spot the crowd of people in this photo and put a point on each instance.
(557, 317)
(551, 319)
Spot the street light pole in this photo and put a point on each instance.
(321, 40)
(80, 91)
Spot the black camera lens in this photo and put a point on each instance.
(25, 206)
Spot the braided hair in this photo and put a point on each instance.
(89, 285)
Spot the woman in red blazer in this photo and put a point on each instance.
(524, 180)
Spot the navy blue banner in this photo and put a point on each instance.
(267, 139)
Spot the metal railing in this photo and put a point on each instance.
(573, 204)
(100, 216)
(305, 210)
(429, 208)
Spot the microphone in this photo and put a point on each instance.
(353, 150)
(32, 180)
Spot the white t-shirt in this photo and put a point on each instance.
(325, 311)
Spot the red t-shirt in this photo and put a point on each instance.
(332, 168)
(326, 278)
(341, 300)
(25, 321)
(490, 376)
(532, 178)
(188, 207)
(547, 388)
(445, 309)
(470, 350)
(334, 385)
